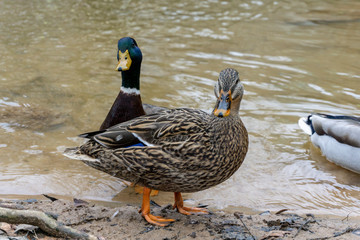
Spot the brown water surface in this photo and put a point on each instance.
(295, 57)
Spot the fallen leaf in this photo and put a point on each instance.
(281, 211)
(25, 227)
(275, 234)
(6, 228)
(79, 202)
(51, 198)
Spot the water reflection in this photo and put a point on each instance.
(294, 57)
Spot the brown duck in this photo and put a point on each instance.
(177, 150)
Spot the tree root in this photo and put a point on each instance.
(44, 222)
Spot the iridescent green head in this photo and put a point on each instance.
(129, 56)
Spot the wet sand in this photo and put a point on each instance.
(126, 223)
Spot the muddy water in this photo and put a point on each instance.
(295, 57)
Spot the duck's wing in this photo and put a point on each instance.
(173, 125)
(114, 137)
(173, 143)
(176, 125)
(345, 129)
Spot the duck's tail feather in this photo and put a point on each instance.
(74, 153)
(306, 125)
(91, 134)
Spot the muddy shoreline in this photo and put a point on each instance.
(125, 222)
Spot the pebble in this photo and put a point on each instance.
(193, 235)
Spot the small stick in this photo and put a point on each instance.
(347, 217)
(281, 211)
(302, 227)
(347, 230)
(239, 217)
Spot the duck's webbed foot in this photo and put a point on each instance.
(145, 211)
(179, 205)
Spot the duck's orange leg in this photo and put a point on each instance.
(179, 204)
(140, 189)
(145, 211)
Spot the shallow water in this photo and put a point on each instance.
(295, 57)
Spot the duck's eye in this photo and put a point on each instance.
(125, 58)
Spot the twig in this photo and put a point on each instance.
(237, 215)
(347, 230)
(302, 227)
(347, 217)
(281, 211)
(90, 219)
(44, 222)
(11, 206)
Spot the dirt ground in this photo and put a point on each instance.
(126, 223)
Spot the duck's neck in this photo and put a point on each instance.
(128, 103)
(131, 78)
(235, 106)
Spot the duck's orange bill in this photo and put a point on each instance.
(223, 105)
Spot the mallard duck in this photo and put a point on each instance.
(338, 137)
(128, 104)
(174, 150)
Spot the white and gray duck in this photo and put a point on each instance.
(338, 137)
